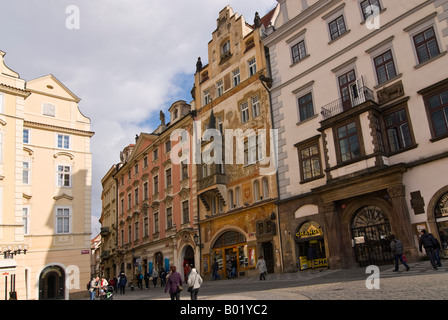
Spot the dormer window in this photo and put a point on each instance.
(175, 114)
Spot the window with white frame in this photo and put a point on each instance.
(26, 220)
(236, 77)
(26, 173)
(26, 136)
(337, 27)
(369, 8)
(298, 51)
(206, 97)
(244, 112)
(252, 67)
(220, 88)
(63, 220)
(63, 141)
(64, 174)
(255, 106)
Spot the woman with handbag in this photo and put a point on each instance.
(194, 283)
(174, 284)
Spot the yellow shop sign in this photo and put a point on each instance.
(310, 231)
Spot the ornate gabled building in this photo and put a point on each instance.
(236, 191)
(156, 203)
(361, 89)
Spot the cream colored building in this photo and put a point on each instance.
(361, 89)
(45, 187)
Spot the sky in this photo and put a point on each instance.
(125, 59)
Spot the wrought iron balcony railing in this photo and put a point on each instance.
(357, 97)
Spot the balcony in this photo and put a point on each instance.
(357, 97)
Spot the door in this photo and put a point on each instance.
(52, 284)
(345, 89)
(357, 92)
(370, 232)
(268, 254)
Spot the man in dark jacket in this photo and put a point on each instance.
(397, 249)
(427, 241)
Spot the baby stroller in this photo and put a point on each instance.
(107, 293)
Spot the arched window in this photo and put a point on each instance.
(231, 204)
(265, 188)
(229, 238)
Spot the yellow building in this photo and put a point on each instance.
(237, 213)
(45, 189)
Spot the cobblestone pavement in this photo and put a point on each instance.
(420, 283)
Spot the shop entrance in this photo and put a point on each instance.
(311, 246)
(441, 213)
(52, 284)
(370, 231)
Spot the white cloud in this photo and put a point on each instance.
(128, 60)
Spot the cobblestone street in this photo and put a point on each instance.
(420, 283)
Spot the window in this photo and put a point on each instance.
(145, 191)
(169, 218)
(385, 67)
(155, 154)
(237, 197)
(156, 184)
(231, 201)
(398, 132)
(156, 222)
(255, 106)
(236, 77)
(136, 230)
(220, 88)
(129, 201)
(129, 234)
(337, 27)
(145, 162)
(306, 109)
(437, 105)
(136, 196)
(145, 226)
(250, 150)
(168, 178)
(26, 173)
(122, 205)
(63, 220)
(64, 176)
(184, 169)
(26, 136)
(426, 45)
(369, 7)
(226, 48)
(185, 212)
(348, 141)
(167, 146)
(63, 141)
(26, 220)
(298, 51)
(206, 97)
(244, 112)
(252, 67)
(136, 168)
(48, 110)
(310, 165)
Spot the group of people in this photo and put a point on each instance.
(154, 276)
(174, 282)
(427, 241)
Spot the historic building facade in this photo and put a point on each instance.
(156, 202)
(45, 188)
(235, 189)
(361, 89)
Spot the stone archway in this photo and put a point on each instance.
(52, 283)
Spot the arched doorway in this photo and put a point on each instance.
(309, 236)
(52, 283)
(370, 231)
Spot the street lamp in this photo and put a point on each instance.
(196, 241)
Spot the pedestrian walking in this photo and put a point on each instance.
(155, 276)
(174, 284)
(93, 285)
(122, 283)
(261, 266)
(437, 248)
(427, 241)
(233, 265)
(140, 281)
(397, 249)
(194, 283)
(162, 277)
(215, 268)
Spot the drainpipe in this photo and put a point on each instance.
(267, 84)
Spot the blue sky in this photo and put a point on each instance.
(128, 60)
